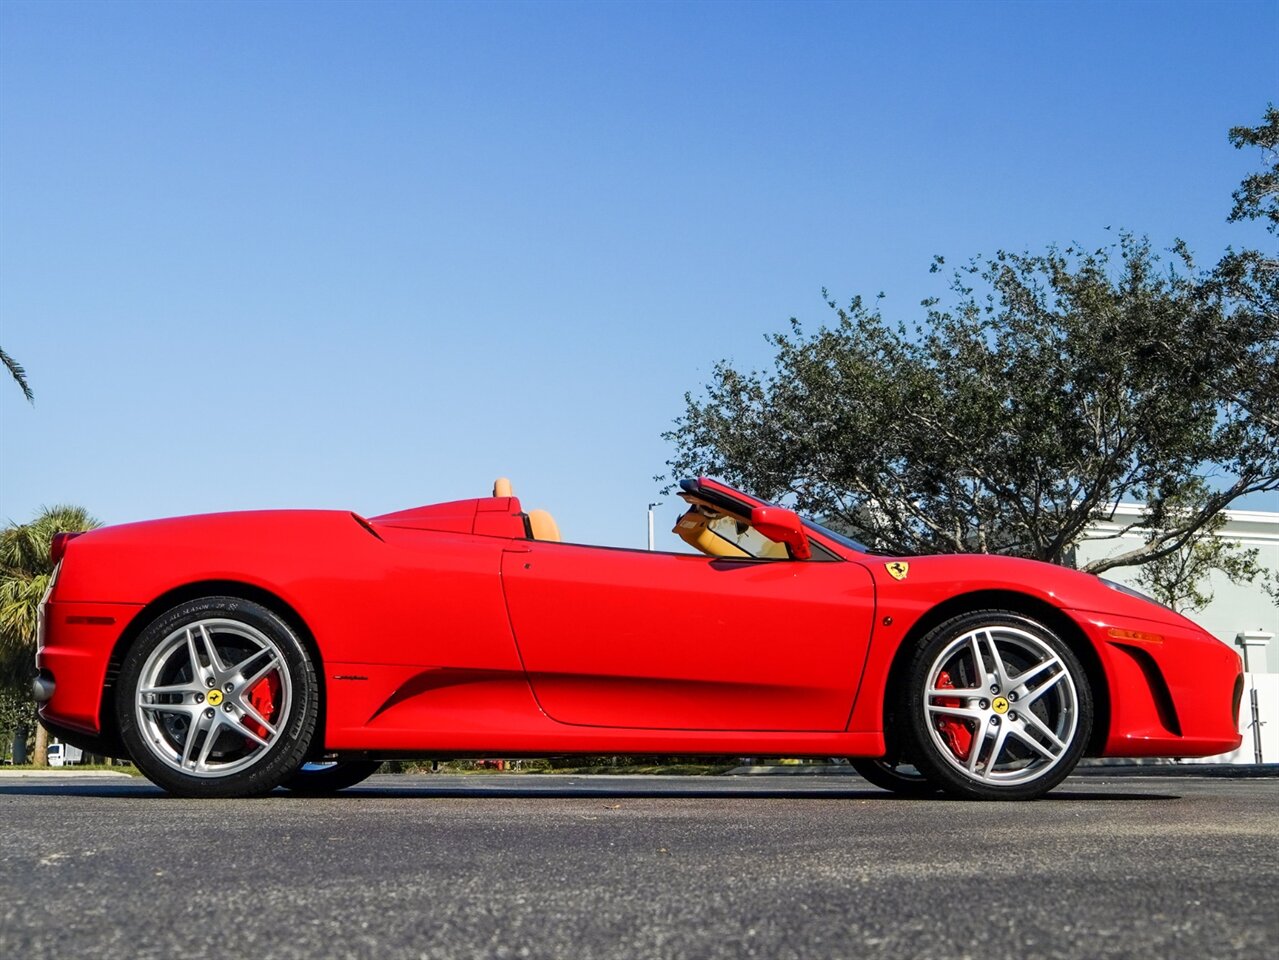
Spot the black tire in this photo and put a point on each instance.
(320, 779)
(999, 737)
(236, 722)
(899, 776)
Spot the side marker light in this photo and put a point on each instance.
(1116, 634)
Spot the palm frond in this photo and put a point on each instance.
(19, 598)
(19, 374)
(25, 568)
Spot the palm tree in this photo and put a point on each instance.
(25, 568)
(19, 374)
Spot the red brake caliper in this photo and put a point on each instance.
(954, 731)
(263, 697)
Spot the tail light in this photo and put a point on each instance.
(58, 546)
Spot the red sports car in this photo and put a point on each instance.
(234, 653)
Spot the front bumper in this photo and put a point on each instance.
(1173, 689)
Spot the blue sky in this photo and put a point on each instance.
(368, 256)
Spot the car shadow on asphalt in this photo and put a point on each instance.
(715, 792)
(524, 790)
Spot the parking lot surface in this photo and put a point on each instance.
(644, 867)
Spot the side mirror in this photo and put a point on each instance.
(782, 526)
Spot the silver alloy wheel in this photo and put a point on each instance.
(1012, 694)
(193, 699)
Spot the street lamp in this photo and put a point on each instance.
(1258, 639)
(650, 523)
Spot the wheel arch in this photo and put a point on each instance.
(194, 591)
(1027, 605)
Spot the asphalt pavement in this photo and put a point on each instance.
(640, 867)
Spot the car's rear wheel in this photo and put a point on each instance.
(217, 698)
(996, 706)
(899, 776)
(318, 779)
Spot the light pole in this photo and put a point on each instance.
(650, 523)
(1258, 639)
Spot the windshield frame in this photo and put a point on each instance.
(729, 500)
(839, 538)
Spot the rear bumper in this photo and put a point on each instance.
(1173, 689)
(76, 644)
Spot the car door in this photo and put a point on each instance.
(626, 638)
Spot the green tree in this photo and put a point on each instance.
(25, 569)
(1052, 387)
(19, 375)
(1249, 279)
(1181, 579)
(1043, 390)
(15, 722)
(1258, 196)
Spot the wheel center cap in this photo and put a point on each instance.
(999, 705)
(215, 697)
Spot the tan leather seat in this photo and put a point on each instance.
(540, 522)
(543, 525)
(693, 528)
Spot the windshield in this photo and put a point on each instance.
(711, 500)
(747, 539)
(837, 537)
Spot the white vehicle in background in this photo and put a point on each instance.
(64, 755)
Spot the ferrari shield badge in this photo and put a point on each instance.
(897, 569)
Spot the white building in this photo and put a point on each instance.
(1240, 614)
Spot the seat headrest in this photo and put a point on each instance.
(543, 525)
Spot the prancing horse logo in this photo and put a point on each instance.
(897, 569)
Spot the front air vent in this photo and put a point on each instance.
(1158, 687)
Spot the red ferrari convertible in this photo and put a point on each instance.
(231, 654)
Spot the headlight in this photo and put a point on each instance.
(1123, 588)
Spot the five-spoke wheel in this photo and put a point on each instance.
(217, 698)
(996, 705)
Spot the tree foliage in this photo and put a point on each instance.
(1258, 196)
(16, 719)
(24, 576)
(1249, 279)
(19, 375)
(25, 569)
(1182, 579)
(1041, 391)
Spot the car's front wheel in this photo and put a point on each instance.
(996, 706)
(217, 698)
